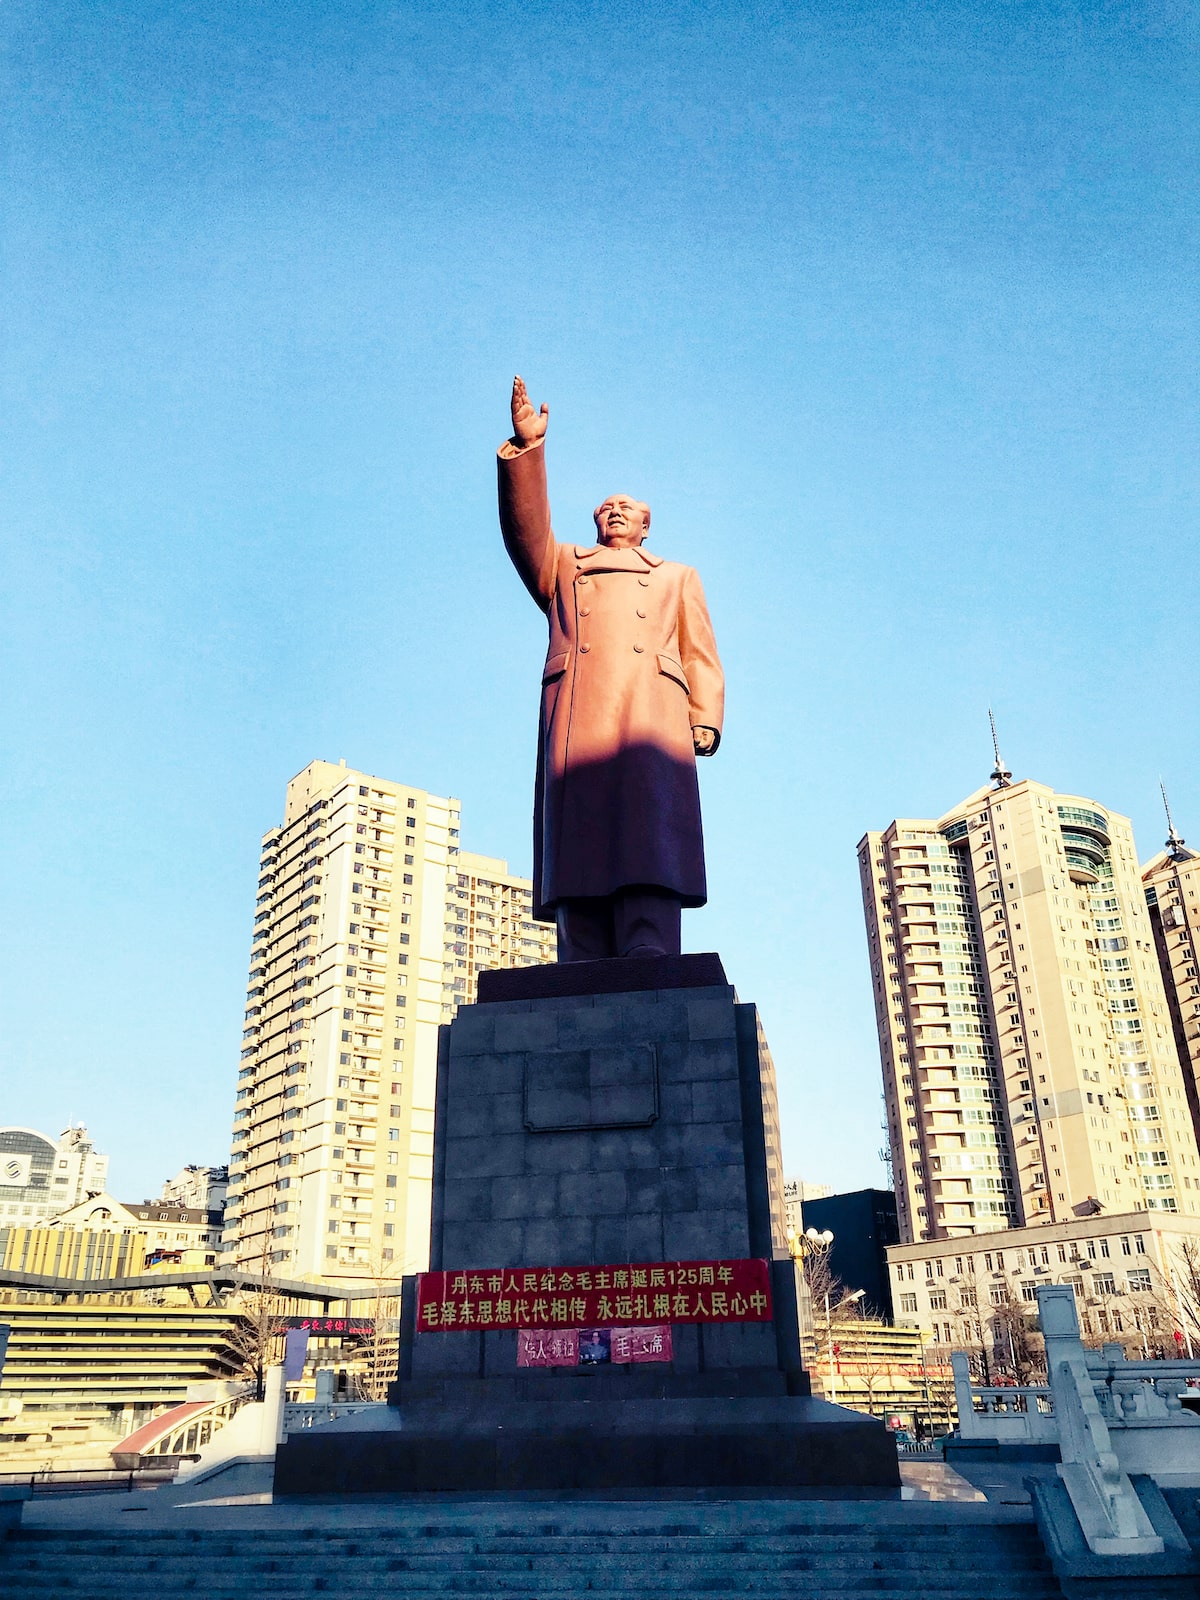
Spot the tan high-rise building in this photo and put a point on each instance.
(1029, 1068)
(371, 926)
(1172, 884)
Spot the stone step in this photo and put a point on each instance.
(475, 1528)
(1002, 1588)
(554, 1575)
(532, 1560)
(319, 1557)
(986, 1540)
(622, 1578)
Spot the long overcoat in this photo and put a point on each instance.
(631, 668)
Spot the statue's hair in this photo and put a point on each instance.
(640, 504)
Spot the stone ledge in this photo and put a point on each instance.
(593, 1445)
(621, 975)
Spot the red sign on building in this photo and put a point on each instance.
(328, 1327)
(595, 1297)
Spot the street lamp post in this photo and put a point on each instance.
(846, 1300)
(805, 1246)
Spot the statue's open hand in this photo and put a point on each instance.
(704, 741)
(529, 426)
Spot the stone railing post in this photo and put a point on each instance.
(968, 1426)
(1110, 1514)
(272, 1426)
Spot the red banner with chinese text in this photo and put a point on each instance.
(586, 1297)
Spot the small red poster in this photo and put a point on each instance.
(641, 1344)
(537, 1347)
(542, 1347)
(649, 1294)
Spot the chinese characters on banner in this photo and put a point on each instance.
(322, 1326)
(537, 1347)
(653, 1293)
(541, 1347)
(641, 1344)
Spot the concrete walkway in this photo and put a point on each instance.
(241, 1498)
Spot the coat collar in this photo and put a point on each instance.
(619, 559)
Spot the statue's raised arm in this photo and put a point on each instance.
(524, 503)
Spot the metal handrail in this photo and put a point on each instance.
(48, 1480)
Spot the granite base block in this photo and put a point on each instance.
(602, 1113)
(432, 1446)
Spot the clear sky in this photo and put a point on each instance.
(889, 311)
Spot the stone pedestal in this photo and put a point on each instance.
(631, 1120)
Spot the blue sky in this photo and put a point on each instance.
(889, 312)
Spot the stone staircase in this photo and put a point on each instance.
(809, 1558)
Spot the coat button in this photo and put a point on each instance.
(639, 648)
(645, 582)
(641, 613)
(584, 648)
(583, 577)
(585, 611)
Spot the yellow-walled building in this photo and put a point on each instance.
(97, 1370)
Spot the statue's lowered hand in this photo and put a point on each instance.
(704, 741)
(529, 426)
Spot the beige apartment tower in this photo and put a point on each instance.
(1172, 884)
(1030, 1071)
(371, 926)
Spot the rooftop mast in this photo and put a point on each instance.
(1001, 776)
(1174, 844)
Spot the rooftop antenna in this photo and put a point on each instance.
(1001, 776)
(1174, 843)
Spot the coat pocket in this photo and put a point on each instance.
(670, 668)
(555, 667)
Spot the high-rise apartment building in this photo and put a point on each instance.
(1172, 884)
(371, 926)
(1029, 1067)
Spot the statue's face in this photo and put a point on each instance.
(622, 521)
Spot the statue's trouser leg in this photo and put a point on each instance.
(632, 922)
(585, 929)
(646, 922)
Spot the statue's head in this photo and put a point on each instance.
(621, 521)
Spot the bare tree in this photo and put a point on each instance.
(874, 1365)
(1017, 1344)
(257, 1336)
(1185, 1284)
(938, 1381)
(381, 1348)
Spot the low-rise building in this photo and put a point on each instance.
(74, 1254)
(197, 1188)
(863, 1223)
(176, 1236)
(81, 1373)
(1130, 1272)
(882, 1370)
(40, 1176)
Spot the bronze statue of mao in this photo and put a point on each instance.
(632, 693)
